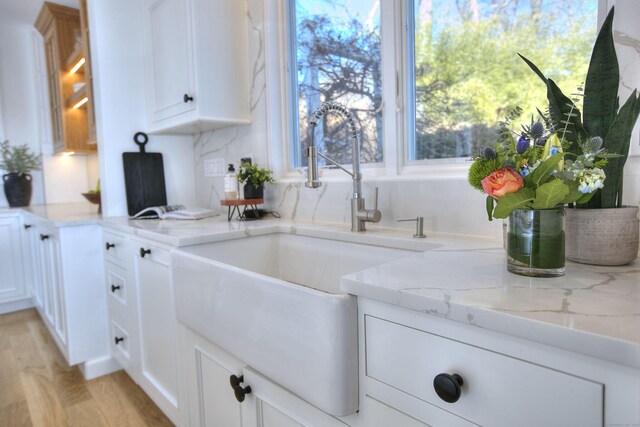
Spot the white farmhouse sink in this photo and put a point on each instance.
(274, 302)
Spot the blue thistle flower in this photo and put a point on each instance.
(522, 145)
(488, 153)
(541, 141)
(536, 131)
(593, 145)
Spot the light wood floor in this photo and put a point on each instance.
(37, 388)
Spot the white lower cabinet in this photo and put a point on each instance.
(223, 392)
(13, 285)
(157, 323)
(442, 373)
(65, 267)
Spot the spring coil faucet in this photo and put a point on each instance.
(359, 215)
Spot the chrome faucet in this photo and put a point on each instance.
(359, 215)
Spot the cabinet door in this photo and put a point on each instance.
(12, 284)
(53, 292)
(270, 405)
(156, 318)
(169, 51)
(207, 370)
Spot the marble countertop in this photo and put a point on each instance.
(63, 214)
(591, 310)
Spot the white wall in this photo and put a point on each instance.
(118, 72)
(447, 203)
(18, 96)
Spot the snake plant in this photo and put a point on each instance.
(602, 115)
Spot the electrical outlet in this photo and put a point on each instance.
(213, 167)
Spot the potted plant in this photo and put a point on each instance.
(601, 231)
(254, 178)
(18, 162)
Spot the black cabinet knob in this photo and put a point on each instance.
(144, 252)
(27, 226)
(114, 288)
(118, 340)
(109, 245)
(448, 387)
(44, 236)
(239, 391)
(187, 98)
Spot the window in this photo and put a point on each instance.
(461, 73)
(466, 75)
(336, 52)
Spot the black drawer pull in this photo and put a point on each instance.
(187, 98)
(44, 237)
(109, 245)
(238, 390)
(118, 340)
(114, 288)
(448, 387)
(144, 252)
(27, 226)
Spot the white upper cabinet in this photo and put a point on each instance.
(197, 73)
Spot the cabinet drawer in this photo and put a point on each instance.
(118, 287)
(497, 390)
(115, 247)
(147, 251)
(120, 341)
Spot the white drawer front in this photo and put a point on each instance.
(115, 247)
(120, 344)
(117, 286)
(497, 390)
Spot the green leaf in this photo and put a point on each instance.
(550, 194)
(543, 172)
(618, 140)
(586, 197)
(560, 107)
(574, 193)
(490, 207)
(601, 87)
(520, 200)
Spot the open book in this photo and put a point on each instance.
(174, 212)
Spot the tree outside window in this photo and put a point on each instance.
(337, 57)
(468, 75)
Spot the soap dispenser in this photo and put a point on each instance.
(231, 184)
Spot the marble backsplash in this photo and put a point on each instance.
(447, 204)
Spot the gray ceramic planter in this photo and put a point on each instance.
(602, 236)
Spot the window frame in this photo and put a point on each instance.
(397, 32)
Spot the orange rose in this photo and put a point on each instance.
(501, 182)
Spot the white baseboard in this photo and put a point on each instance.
(98, 367)
(21, 304)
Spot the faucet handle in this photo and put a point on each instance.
(419, 226)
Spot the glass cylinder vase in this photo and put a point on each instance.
(535, 242)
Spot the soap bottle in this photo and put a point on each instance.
(231, 184)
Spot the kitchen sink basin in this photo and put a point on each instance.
(274, 302)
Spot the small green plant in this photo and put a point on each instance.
(255, 175)
(19, 160)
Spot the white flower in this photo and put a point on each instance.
(590, 180)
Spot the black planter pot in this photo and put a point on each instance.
(251, 192)
(17, 188)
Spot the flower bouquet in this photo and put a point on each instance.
(528, 177)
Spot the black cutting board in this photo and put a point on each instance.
(143, 177)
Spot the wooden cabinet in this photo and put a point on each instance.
(63, 36)
(13, 285)
(196, 56)
(506, 381)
